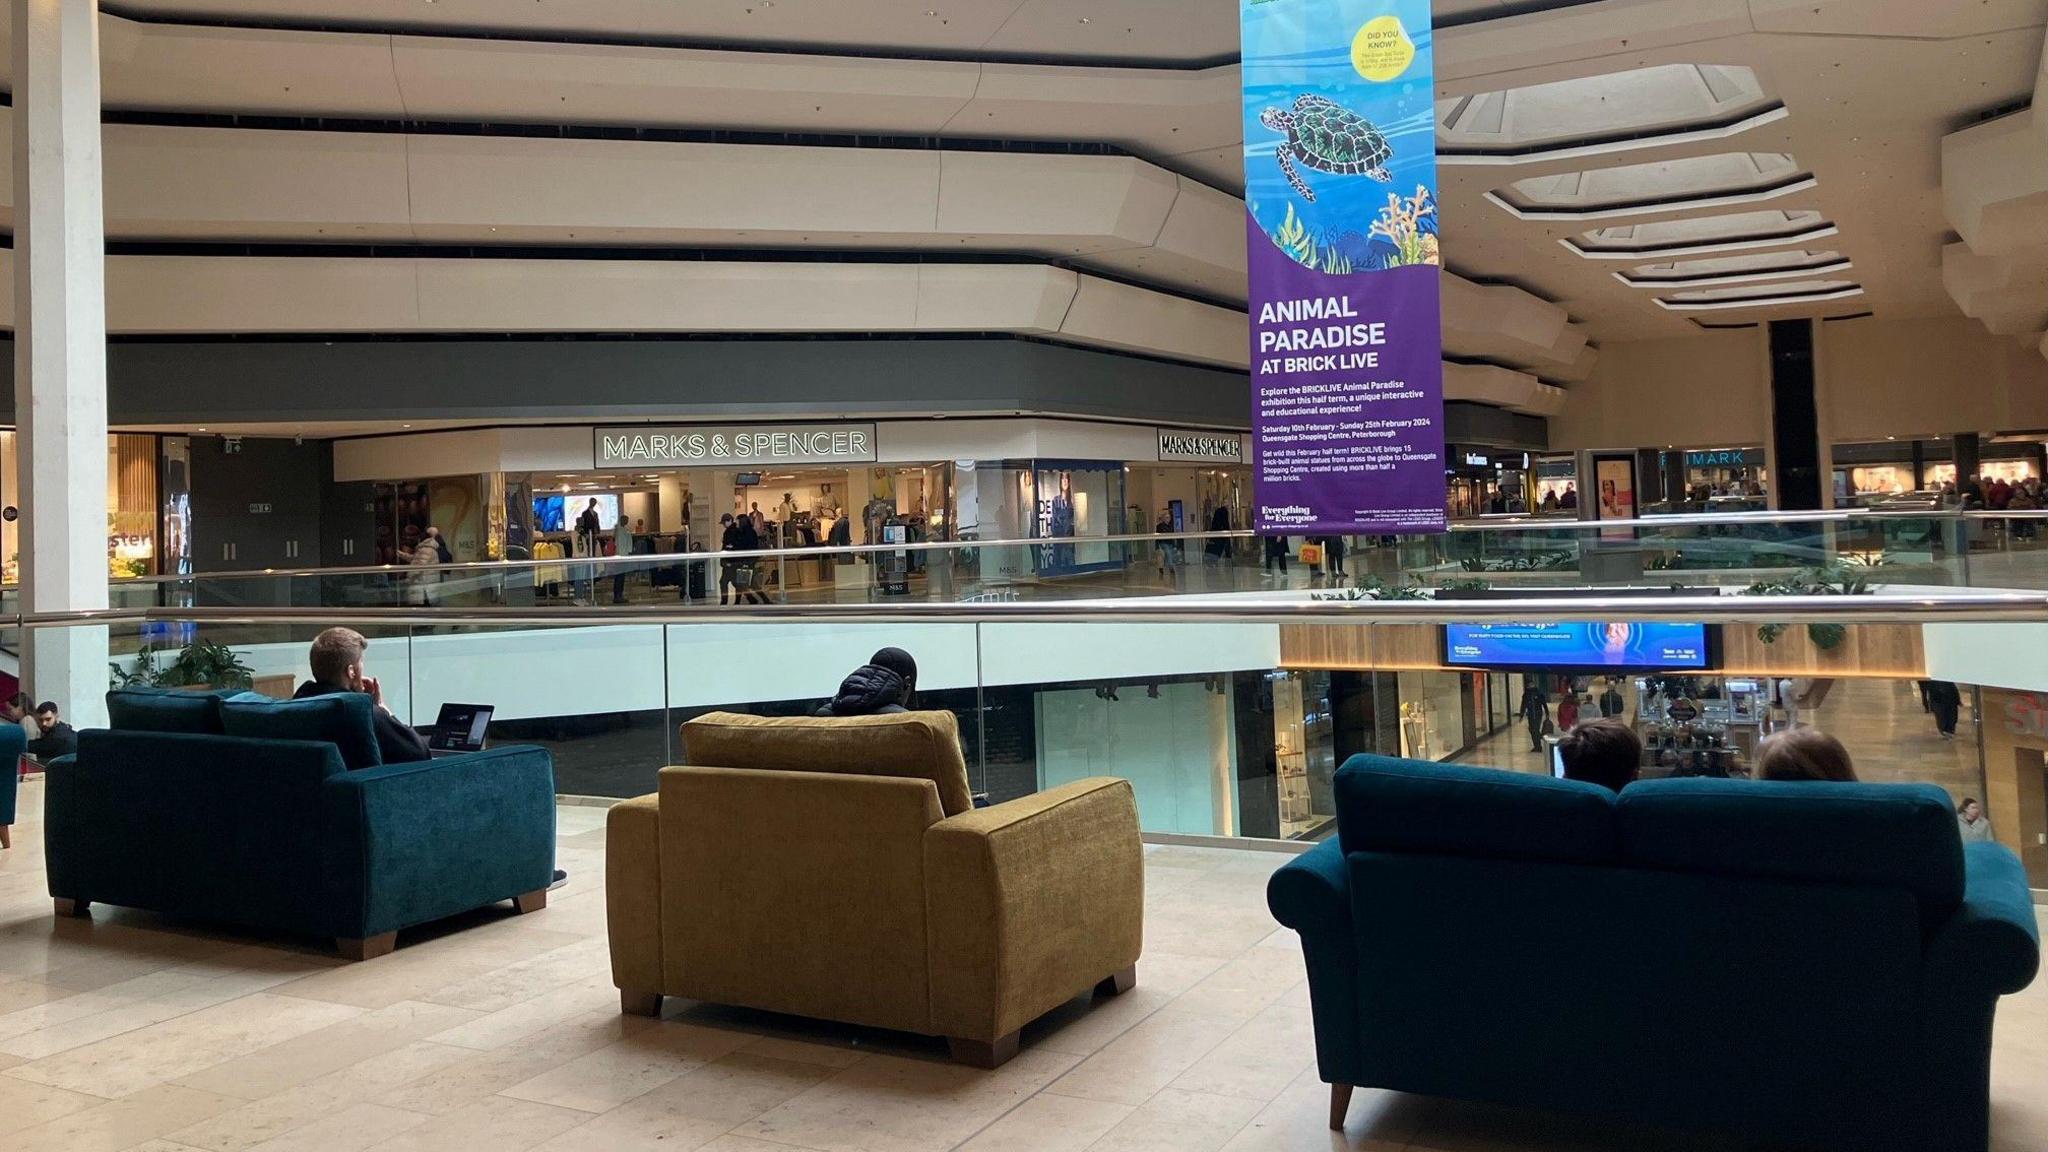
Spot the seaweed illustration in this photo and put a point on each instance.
(1410, 226)
(1295, 240)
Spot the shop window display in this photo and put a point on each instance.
(1074, 502)
(131, 515)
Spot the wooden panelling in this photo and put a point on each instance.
(1889, 651)
(2015, 727)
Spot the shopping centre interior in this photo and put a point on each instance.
(818, 667)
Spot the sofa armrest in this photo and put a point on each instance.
(1312, 892)
(1312, 895)
(1993, 942)
(632, 892)
(1032, 903)
(410, 843)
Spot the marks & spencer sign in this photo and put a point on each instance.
(736, 445)
(1201, 447)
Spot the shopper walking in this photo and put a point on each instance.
(1947, 702)
(1276, 554)
(1535, 712)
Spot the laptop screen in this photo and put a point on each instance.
(461, 728)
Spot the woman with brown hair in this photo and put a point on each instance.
(1804, 754)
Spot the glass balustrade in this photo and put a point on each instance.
(1228, 717)
(1938, 549)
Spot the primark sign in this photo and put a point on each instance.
(748, 444)
(1201, 447)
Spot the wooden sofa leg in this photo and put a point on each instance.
(634, 1003)
(982, 1053)
(531, 901)
(66, 906)
(6, 835)
(367, 949)
(1340, 1105)
(1118, 983)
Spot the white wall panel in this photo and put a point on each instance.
(498, 80)
(1076, 204)
(671, 296)
(183, 68)
(1112, 315)
(599, 191)
(166, 295)
(226, 183)
(962, 297)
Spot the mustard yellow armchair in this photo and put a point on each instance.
(837, 869)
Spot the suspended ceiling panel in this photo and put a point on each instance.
(1658, 188)
(1760, 295)
(1603, 114)
(1702, 234)
(1714, 271)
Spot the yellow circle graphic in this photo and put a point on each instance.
(1382, 49)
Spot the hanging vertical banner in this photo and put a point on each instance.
(1341, 219)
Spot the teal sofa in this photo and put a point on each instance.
(13, 745)
(279, 817)
(1803, 965)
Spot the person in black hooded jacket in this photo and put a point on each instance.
(884, 686)
(867, 691)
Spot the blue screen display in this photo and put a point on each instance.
(548, 513)
(1676, 646)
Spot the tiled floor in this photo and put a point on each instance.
(125, 1032)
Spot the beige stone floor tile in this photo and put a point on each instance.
(1190, 924)
(1246, 985)
(1049, 1123)
(1172, 972)
(735, 1088)
(1083, 1026)
(483, 1074)
(408, 974)
(804, 1052)
(237, 1129)
(149, 1056)
(634, 1066)
(324, 1050)
(593, 994)
(696, 1108)
(352, 1129)
(889, 1104)
(25, 1105)
(18, 994)
(730, 1143)
(527, 979)
(1299, 1120)
(1134, 1066)
(1176, 1121)
(1259, 1060)
(497, 1124)
(119, 1124)
(164, 1146)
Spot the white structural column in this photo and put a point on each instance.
(60, 346)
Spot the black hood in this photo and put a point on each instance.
(867, 691)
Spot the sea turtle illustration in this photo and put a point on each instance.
(1329, 138)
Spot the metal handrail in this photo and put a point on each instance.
(669, 559)
(2007, 607)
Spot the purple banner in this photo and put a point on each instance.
(1346, 328)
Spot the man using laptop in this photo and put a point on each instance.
(337, 660)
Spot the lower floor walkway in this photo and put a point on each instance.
(129, 1032)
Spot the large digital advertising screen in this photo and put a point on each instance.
(1649, 646)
